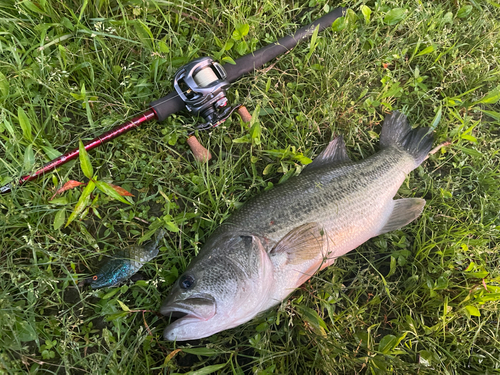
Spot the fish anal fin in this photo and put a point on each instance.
(335, 152)
(404, 212)
(301, 244)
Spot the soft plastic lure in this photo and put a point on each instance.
(126, 263)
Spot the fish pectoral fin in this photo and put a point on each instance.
(404, 212)
(301, 244)
(335, 152)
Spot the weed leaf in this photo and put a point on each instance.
(366, 13)
(426, 50)
(394, 16)
(339, 24)
(50, 152)
(493, 114)
(491, 97)
(85, 163)
(25, 124)
(29, 158)
(437, 118)
(71, 184)
(123, 306)
(59, 219)
(208, 369)
(25, 331)
(4, 85)
(110, 191)
(464, 11)
(121, 191)
(83, 202)
(472, 310)
(312, 44)
(144, 34)
(241, 31)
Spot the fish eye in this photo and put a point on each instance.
(186, 281)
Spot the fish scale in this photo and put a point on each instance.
(279, 239)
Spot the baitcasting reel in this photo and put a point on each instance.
(202, 85)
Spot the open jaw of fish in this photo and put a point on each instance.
(278, 240)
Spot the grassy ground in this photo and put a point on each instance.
(419, 300)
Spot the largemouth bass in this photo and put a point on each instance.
(279, 239)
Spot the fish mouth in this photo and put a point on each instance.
(198, 308)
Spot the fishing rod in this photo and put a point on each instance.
(200, 88)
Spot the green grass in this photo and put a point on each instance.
(410, 301)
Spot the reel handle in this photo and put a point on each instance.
(246, 117)
(200, 153)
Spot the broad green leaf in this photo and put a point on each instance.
(229, 60)
(111, 293)
(25, 124)
(464, 11)
(469, 151)
(469, 138)
(493, 114)
(437, 118)
(208, 369)
(245, 139)
(50, 152)
(426, 50)
(312, 317)
(9, 128)
(123, 306)
(171, 226)
(339, 24)
(31, 6)
(29, 158)
(109, 191)
(241, 31)
(144, 33)
(387, 344)
(242, 48)
(312, 44)
(488, 298)
(491, 97)
(394, 16)
(426, 357)
(25, 331)
(4, 85)
(163, 47)
(366, 13)
(61, 200)
(472, 310)
(207, 352)
(83, 202)
(85, 163)
(60, 218)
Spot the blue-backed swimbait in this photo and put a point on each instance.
(126, 263)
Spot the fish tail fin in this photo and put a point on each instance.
(396, 131)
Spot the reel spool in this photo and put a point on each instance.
(202, 85)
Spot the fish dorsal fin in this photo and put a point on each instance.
(335, 152)
(404, 212)
(301, 244)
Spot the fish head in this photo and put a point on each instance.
(223, 287)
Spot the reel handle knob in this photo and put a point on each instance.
(200, 153)
(244, 114)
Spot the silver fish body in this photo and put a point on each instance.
(279, 239)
